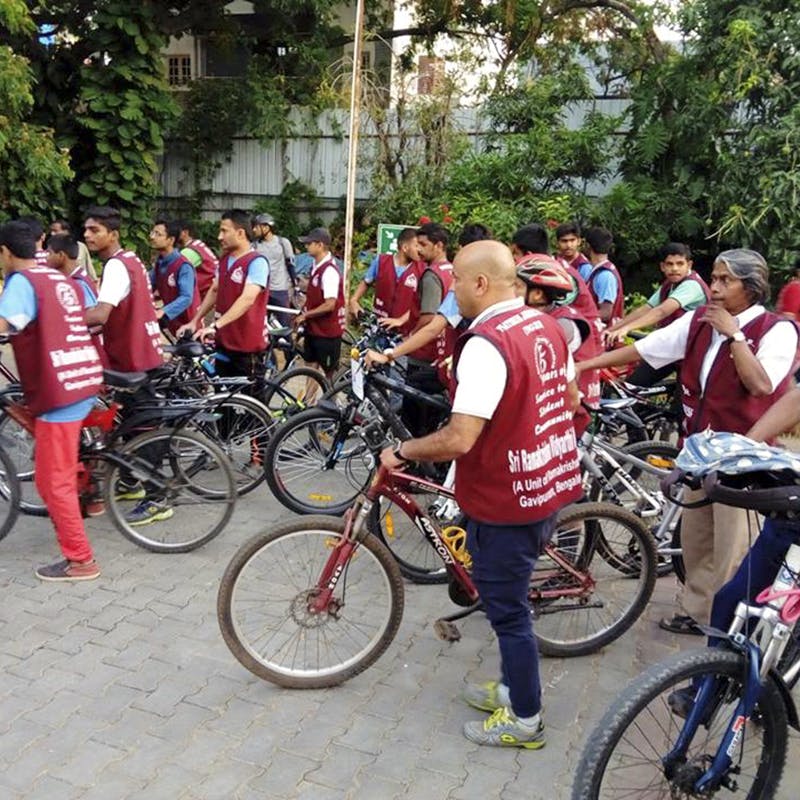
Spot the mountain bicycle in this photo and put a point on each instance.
(314, 602)
(712, 722)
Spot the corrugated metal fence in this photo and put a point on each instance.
(317, 156)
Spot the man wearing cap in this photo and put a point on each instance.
(280, 257)
(323, 314)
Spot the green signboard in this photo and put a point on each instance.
(387, 237)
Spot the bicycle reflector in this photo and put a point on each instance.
(354, 354)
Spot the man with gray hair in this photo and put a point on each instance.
(737, 360)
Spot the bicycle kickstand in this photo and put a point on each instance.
(445, 627)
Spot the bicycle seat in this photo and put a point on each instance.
(127, 381)
(186, 349)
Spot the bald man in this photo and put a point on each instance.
(512, 436)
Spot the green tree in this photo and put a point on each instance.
(33, 170)
(716, 128)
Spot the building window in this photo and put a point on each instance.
(179, 70)
(429, 74)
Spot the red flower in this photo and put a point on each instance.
(447, 219)
(444, 207)
(553, 223)
(424, 220)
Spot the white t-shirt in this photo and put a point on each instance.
(330, 278)
(116, 283)
(482, 371)
(776, 351)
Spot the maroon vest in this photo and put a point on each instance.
(209, 265)
(246, 334)
(726, 405)
(329, 326)
(589, 380)
(167, 288)
(441, 347)
(131, 336)
(394, 296)
(667, 287)
(618, 306)
(524, 466)
(57, 362)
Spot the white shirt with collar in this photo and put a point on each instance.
(482, 371)
(330, 278)
(776, 351)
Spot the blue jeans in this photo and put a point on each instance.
(503, 559)
(757, 571)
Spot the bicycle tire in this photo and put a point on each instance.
(677, 559)
(193, 478)
(379, 598)
(565, 628)
(632, 712)
(9, 494)
(18, 445)
(295, 463)
(241, 430)
(287, 390)
(644, 451)
(418, 561)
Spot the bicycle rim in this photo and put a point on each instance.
(189, 480)
(623, 755)
(265, 619)
(580, 620)
(315, 465)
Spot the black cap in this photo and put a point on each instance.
(317, 235)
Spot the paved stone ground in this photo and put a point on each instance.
(123, 688)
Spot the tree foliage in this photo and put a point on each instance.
(33, 170)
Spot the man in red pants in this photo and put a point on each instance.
(60, 372)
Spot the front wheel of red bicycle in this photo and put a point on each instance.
(263, 605)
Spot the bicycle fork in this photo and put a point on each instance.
(321, 600)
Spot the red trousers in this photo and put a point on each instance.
(56, 465)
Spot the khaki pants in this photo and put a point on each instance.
(715, 539)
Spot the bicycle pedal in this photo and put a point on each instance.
(446, 630)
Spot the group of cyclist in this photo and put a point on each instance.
(516, 335)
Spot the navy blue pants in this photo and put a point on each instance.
(503, 559)
(757, 571)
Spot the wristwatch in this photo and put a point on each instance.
(736, 337)
(397, 454)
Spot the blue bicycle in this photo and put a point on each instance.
(714, 722)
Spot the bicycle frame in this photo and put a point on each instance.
(762, 651)
(395, 486)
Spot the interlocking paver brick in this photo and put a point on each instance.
(89, 669)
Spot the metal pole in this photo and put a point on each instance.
(355, 108)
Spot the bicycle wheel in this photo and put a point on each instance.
(318, 463)
(294, 390)
(624, 754)
(677, 559)
(578, 614)
(188, 480)
(241, 429)
(262, 606)
(9, 493)
(418, 561)
(658, 454)
(18, 445)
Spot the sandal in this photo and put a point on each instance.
(681, 623)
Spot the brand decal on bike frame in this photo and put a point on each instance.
(424, 524)
(737, 728)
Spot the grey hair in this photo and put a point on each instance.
(751, 269)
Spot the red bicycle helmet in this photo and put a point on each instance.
(542, 272)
